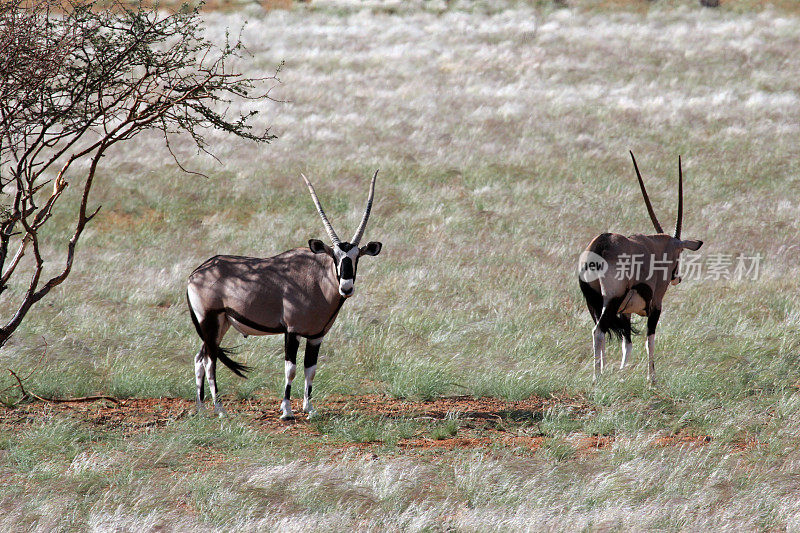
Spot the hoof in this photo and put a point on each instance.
(286, 410)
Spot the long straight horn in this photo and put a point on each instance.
(361, 227)
(325, 222)
(680, 201)
(646, 198)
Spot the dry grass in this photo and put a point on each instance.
(643, 6)
(501, 132)
(603, 6)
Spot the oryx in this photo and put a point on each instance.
(297, 293)
(623, 275)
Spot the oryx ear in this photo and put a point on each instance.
(372, 248)
(319, 247)
(691, 245)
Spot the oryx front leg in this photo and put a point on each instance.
(310, 366)
(290, 369)
(652, 322)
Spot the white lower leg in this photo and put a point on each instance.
(211, 376)
(651, 368)
(603, 354)
(199, 376)
(290, 369)
(309, 376)
(627, 347)
(598, 341)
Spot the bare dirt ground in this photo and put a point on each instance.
(483, 422)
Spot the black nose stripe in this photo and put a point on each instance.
(346, 269)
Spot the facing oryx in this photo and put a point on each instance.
(623, 275)
(298, 293)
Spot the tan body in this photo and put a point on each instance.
(297, 293)
(294, 292)
(614, 247)
(639, 270)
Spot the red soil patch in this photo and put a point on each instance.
(482, 422)
(465, 407)
(448, 444)
(701, 440)
(748, 444)
(593, 443)
(676, 440)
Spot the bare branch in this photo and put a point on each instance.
(29, 394)
(78, 83)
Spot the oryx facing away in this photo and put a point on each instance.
(623, 275)
(297, 293)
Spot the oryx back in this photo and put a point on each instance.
(294, 292)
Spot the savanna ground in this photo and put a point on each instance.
(454, 391)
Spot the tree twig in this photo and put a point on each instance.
(26, 394)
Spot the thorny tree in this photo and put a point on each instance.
(74, 81)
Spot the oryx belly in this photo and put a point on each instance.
(247, 330)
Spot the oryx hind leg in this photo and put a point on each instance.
(291, 342)
(596, 305)
(608, 321)
(216, 326)
(199, 378)
(627, 344)
(598, 343)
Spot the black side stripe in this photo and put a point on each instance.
(250, 324)
(282, 329)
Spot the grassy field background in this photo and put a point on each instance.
(501, 133)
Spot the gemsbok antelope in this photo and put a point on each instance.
(623, 275)
(297, 293)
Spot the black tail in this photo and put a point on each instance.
(237, 368)
(617, 323)
(208, 333)
(594, 301)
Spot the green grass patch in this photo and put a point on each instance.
(366, 429)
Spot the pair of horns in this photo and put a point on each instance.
(325, 222)
(650, 206)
